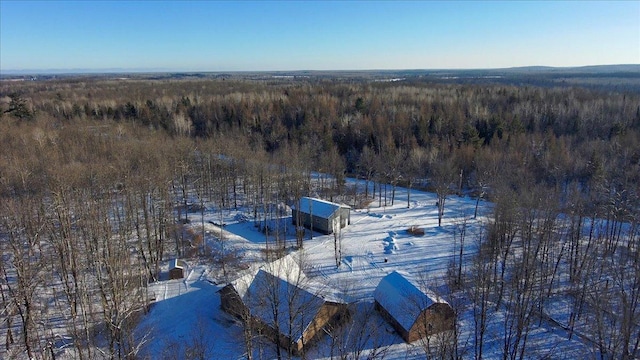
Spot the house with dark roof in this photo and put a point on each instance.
(320, 215)
(413, 312)
(278, 301)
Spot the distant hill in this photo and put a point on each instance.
(621, 77)
(590, 69)
(618, 77)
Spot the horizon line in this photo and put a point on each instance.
(80, 71)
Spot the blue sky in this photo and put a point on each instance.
(315, 35)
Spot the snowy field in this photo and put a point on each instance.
(187, 311)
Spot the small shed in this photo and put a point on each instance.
(281, 303)
(176, 269)
(413, 312)
(321, 215)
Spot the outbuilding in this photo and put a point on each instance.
(280, 302)
(320, 215)
(176, 269)
(414, 313)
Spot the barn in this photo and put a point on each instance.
(320, 215)
(414, 313)
(280, 302)
(176, 269)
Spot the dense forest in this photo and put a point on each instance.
(558, 137)
(87, 161)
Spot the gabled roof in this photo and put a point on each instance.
(269, 294)
(175, 264)
(286, 267)
(317, 207)
(399, 294)
(282, 286)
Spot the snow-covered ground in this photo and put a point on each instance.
(375, 244)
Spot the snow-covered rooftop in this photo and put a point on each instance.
(400, 295)
(317, 207)
(296, 307)
(281, 285)
(175, 264)
(286, 267)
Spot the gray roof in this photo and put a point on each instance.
(317, 207)
(399, 294)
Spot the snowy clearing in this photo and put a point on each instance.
(375, 244)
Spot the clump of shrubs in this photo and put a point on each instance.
(415, 231)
